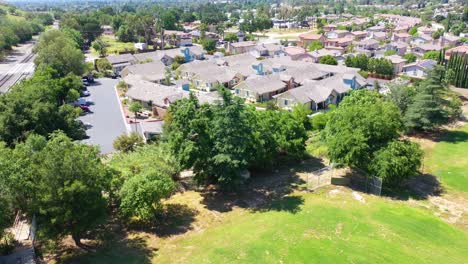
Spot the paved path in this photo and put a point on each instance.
(107, 119)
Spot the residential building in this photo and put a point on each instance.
(423, 48)
(379, 35)
(338, 42)
(268, 50)
(398, 63)
(357, 35)
(462, 50)
(207, 76)
(419, 69)
(241, 47)
(177, 38)
(107, 30)
(421, 39)
(403, 37)
(400, 47)
(152, 71)
(296, 53)
(330, 27)
(119, 62)
(425, 30)
(260, 88)
(306, 39)
(337, 34)
(317, 95)
(368, 44)
(449, 40)
(318, 54)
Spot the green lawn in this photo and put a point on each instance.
(449, 159)
(116, 46)
(324, 229)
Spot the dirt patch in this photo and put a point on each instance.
(452, 209)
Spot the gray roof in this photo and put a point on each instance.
(155, 127)
(262, 84)
(156, 93)
(319, 91)
(121, 59)
(208, 71)
(153, 71)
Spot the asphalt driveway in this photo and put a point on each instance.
(106, 119)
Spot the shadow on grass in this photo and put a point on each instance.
(173, 219)
(453, 136)
(419, 187)
(266, 190)
(112, 248)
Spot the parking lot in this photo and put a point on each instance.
(106, 119)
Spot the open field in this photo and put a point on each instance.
(115, 46)
(329, 226)
(448, 160)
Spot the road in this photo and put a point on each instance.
(107, 120)
(18, 65)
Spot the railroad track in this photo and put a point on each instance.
(7, 77)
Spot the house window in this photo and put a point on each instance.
(247, 93)
(237, 91)
(285, 101)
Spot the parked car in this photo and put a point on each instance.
(85, 93)
(114, 75)
(81, 101)
(85, 108)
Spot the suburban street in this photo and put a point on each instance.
(17, 65)
(106, 119)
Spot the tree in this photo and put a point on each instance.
(69, 181)
(100, 46)
(179, 59)
(140, 195)
(315, 45)
(209, 45)
(396, 162)
(380, 66)
(135, 107)
(54, 49)
(437, 34)
(39, 105)
(360, 61)
(103, 65)
(390, 52)
(126, 143)
(143, 178)
(410, 57)
(432, 55)
(168, 20)
(413, 31)
(328, 59)
(231, 37)
(401, 95)
(360, 126)
(433, 103)
(74, 35)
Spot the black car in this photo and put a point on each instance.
(114, 75)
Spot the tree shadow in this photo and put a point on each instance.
(266, 190)
(419, 187)
(109, 246)
(453, 136)
(172, 219)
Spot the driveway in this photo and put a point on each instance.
(107, 121)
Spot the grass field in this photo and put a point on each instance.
(115, 45)
(323, 227)
(448, 160)
(316, 228)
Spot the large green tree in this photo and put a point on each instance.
(54, 49)
(397, 162)
(361, 125)
(434, 104)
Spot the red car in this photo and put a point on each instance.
(85, 108)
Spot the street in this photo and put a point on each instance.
(106, 119)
